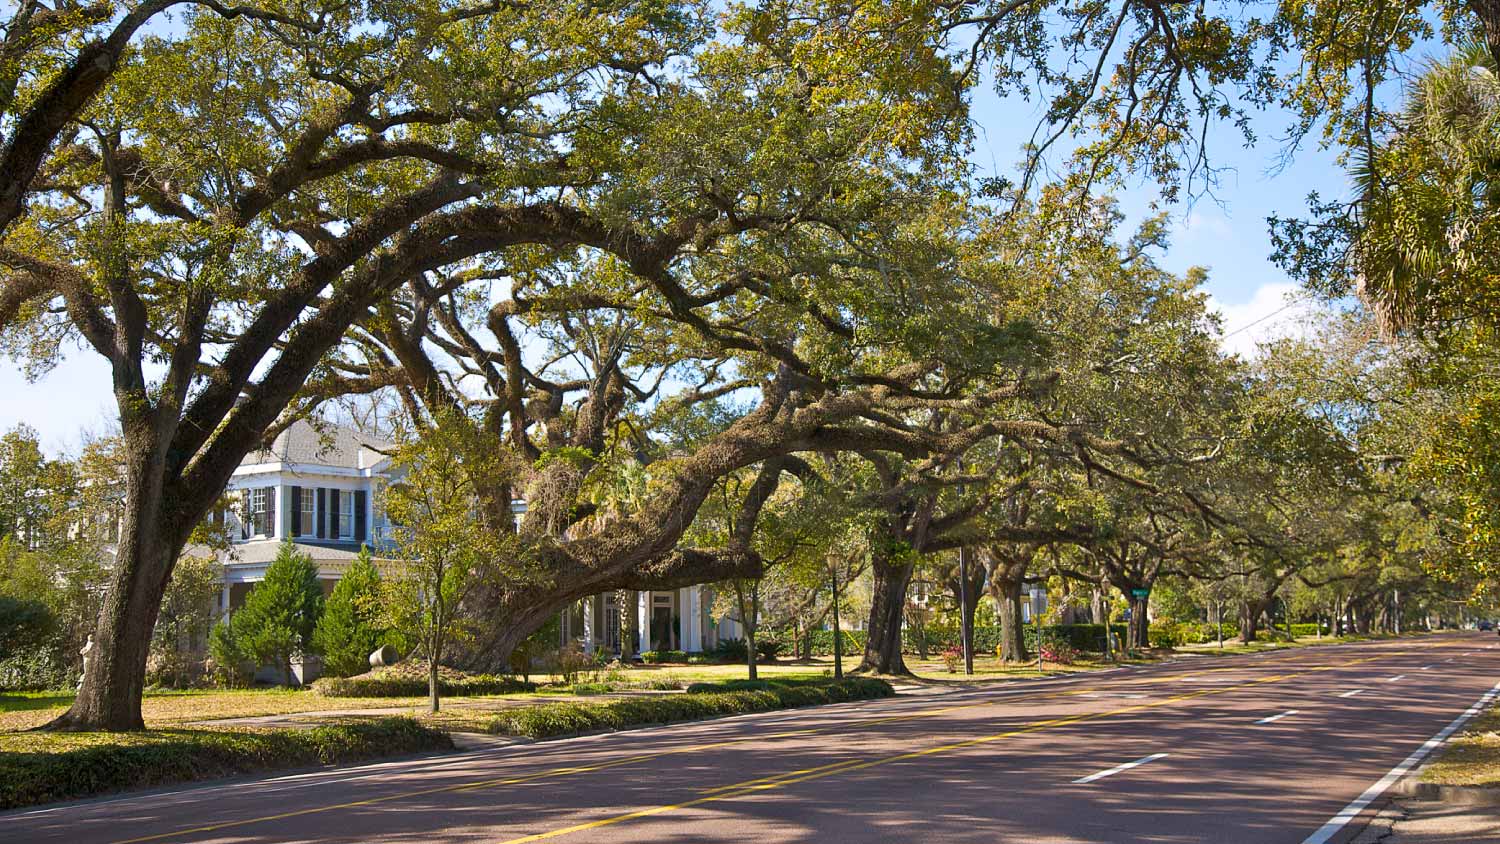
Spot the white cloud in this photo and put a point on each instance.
(1275, 310)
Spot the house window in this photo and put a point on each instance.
(346, 515)
(309, 522)
(257, 522)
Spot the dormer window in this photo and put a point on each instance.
(260, 512)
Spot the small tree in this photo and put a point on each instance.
(352, 623)
(280, 613)
(444, 549)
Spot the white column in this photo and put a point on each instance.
(588, 624)
(693, 627)
(224, 604)
(283, 526)
(643, 628)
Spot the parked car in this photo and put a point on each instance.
(1486, 625)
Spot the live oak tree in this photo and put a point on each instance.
(213, 234)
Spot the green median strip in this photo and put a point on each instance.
(43, 767)
(702, 700)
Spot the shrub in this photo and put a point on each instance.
(767, 648)
(113, 762)
(409, 679)
(744, 685)
(276, 623)
(1164, 634)
(664, 656)
(559, 719)
(951, 658)
(1060, 652)
(731, 650)
(34, 670)
(350, 629)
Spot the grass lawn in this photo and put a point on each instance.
(45, 767)
(22, 711)
(1472, 757)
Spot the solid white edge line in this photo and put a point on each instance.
(1326, 832)
(1118, 768)
(1277, 717)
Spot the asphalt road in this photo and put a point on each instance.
(1246, 750)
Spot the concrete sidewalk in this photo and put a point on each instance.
(1412, 820)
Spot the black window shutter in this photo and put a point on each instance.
(270, 528)
(359, 515)
(296, 511)
(322, 516)
(333, 515)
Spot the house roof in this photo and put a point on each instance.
(254, 553)
(323, 444)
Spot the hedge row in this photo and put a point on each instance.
(1084, 637)
(562, 719)
(40, 772)
(409, 686)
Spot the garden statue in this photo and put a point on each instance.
(86, 651)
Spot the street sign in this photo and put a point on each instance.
(1140, 593)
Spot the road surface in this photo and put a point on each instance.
(1258, 749)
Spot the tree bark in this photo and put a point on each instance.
(1140, 622)
(887, 605)
(1250, 613)
(150, 542)
(1007, 592)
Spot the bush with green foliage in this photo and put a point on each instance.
(767, 648)
(664, 656)
(409, 684)
(731, 650)
(277, 621)
(42, 773)
(351, 628)
(559, 719)
(741, 685)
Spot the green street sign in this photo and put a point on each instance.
(1140, 593)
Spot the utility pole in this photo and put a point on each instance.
(963, 610)
(1036, 618)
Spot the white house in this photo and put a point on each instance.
(319, 486)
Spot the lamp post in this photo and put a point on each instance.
(838, 638)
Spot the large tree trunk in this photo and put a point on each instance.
(1007, 593)
(1140, 622)
(887, 603)
(1250, 614)
(627, 600)
(110, 697)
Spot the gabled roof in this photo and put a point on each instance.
(323, 444)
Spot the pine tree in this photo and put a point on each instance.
(351, 628)
(280, 613)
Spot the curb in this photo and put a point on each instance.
(1455, 795)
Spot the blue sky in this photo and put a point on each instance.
(1226, 234)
